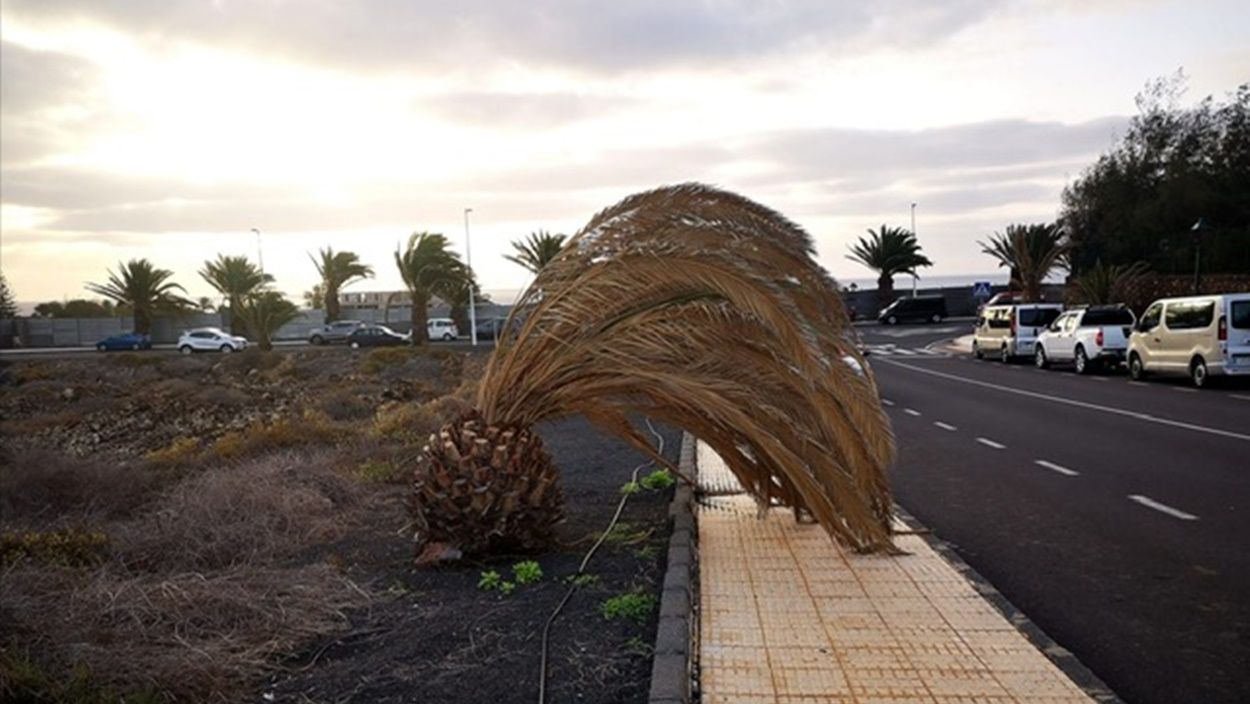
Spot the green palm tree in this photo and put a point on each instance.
(315, 297)
(459, 301)
(888, 251)
(235, 278)
(264, 312)
(205, 304)
(428, 269)
(1031, 252)
(337, 269)
(535, 251)
(1103, 283)
(143, 288)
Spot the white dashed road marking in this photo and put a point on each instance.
(945, 426)
(1243, 398)
(1079, 404)
(911, 411)
(990, 443)
(1138, 383)
(1057, 468)
(887, 402)
(1162, 508)
(1182, 388)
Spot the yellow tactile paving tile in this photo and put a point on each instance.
(787, 617)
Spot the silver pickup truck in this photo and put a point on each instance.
(333, 332)
(1087, 338)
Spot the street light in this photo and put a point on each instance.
(260, 256)
(468, 259)
(913, 234)
(1197, 230)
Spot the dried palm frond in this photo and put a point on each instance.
(705, 310)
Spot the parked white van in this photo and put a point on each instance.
(441, 329)
(1201, 336)
(1010, 331)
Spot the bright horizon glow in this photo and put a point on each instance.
(171, 135)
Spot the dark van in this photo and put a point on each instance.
(920, 309)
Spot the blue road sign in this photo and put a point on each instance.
(981, 289)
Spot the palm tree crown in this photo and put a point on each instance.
(144, 288)
(337, 269)
(428, 269)
(264, 312)
(235, 278)
(890, 251)
(1031, 252)
(535, 251)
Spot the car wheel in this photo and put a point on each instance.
(1039, 358)
(1198, 373)
(1004, 356)
(317, 340)
(976, 351)
(1136, 370)
(1080, 361)
(101, 348)
(226, 349)
(935, 319)
(135, 347)
(185, 349)
(892, 320)
(355, 345)
(448, 337)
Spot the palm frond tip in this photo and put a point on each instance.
(703, 309)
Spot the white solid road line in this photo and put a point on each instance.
(1185, 389)
(990, 443)
(1162, 508)
(887, 402)
(911, 411)
(903, 350)
(1138, 383)
(1243, 398)
(1080, 404)
(1057, 468)
(945, 426)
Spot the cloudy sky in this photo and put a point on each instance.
(168, 129)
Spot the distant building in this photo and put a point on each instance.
(372, 299)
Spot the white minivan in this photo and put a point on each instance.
(1010, 331)
(1199, 336)
(441, 329)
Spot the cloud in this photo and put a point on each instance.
(522, 110)
(572, 34)
(45, 97)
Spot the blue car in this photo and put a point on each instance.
(125, 341)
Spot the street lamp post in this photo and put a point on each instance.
(913, 234)
(468, 259)
(1197, 231)
(260, 255)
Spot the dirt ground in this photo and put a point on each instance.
(234, 529)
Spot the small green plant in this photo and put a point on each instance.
(527, 572)
(489, 580)
(627, 534)
(637, 646)
(381, 472)
(647, 552)
(635, 606)
(506, 587)
(583, 580)
(658, 480)
(630, 488)
(384, 357)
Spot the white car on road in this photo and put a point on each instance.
(1086, 338)
(210, 340)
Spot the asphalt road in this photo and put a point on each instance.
(1114, 514)
(169, 350)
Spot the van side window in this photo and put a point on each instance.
(1240, 318)
(1069, 323)
(1187, 315)
(1000, 318)
(1150, 319)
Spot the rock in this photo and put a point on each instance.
(69, 394)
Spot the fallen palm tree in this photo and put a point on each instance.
(686, 304)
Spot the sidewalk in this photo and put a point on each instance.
(789, 617)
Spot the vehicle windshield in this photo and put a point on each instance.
(1239, 315)
(1112, 316)
(1038, 317)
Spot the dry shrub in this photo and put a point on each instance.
(223, 396)
(188, 636)
(269, 508)
(342, 404)
(33, 371)
(381, 358)
(312, 428)
(135, 359)
(252, 358)
(45, 487)
(178, 452)
(185, 365)
(174, 388)
(69, 547)
(416, 421)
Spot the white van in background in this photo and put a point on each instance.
(1200, 336)
(1010, 331)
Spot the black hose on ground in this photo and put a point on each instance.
(581, 569)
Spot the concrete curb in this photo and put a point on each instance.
(671, 673)
(1068, 663)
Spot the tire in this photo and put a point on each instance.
(1004, 356)
(976, 351)
(1198, 373)
(226, 349)
(317, 340)
(935, 319)
(185, 349)
(1081, 362)
(355, 345)
(1039, 358)
(892, 320)
(448, 337)
(1136, 370)
(135, 347)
